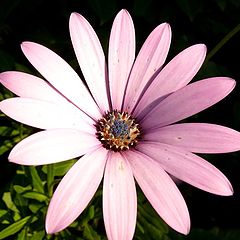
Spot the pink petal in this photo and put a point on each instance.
(75, 190)
(90, 57)
(46, 115)
(121, 55)
(61, 76)
(188, 167)
(150, 58)
(52, 146)
(29, 86)
(160, 190)
(188, 101)
(197, 137)
(175, 75)
(119, 199)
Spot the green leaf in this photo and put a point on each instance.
(2, 212)
(8, 201)
(90, 234)
(13, 228)
(35, 195)
(35, 207)
(36, 180)
(60, 169)
(23, 234)
(20, 202)
(4, 131)
(20, 189)
(146, 213)
(3, 149)
(50, 178)
(91, 212)
(38, 235)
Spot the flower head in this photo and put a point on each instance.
(123, 127)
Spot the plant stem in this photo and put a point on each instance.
(222, 43)
(50, 178)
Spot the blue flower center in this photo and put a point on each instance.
(119, 128)
(117, 131)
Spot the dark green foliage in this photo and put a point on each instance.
(26, 191)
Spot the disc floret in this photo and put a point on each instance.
(118, 131)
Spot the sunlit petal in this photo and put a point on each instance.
(121, 55)
(119, 199)
(75, 190)
(160, 190)
(149, 60)
(188, 167)
(187, 101)
(52, 146)
(90, 58)
(197, 137)
(61, 76)
(175, 75)
(46, 115)
(29, 86)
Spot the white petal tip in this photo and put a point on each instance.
(50, 230)
(14, 160)
(25, 44)
(2, 78)
(123, 13)
(233, 82)
(163, 27)
(75, 14)
(228, 192)
(51, 226)
(202, 47)
(184, 228)
(224, 188)
(11, 158)
(75, 19)
(186, 231)
(165, 24)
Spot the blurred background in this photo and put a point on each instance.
(213, 22)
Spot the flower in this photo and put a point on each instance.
(123, 128)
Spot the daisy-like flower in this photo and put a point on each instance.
(123, 127)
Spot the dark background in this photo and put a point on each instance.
(192, 22)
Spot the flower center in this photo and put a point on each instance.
(118, 131)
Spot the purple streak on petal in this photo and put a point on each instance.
(175, 75)
(197, 137)
(90, 57)
(119, 198)
(187, 167)
(121, 56)
(75, 190)
(149, 60)
(53, 146)
(29, 86)
(61, 76)
(160, 190)
(188, 101)
(46, 115)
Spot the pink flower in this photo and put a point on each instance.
(123, 128)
